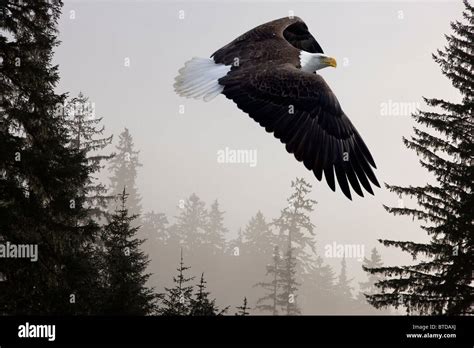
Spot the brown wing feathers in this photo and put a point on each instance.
(318, 132)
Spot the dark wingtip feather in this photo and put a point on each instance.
(329, 175)
(318, 173)
(342, 180)
(376, 183)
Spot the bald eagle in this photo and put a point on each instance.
(270, 73)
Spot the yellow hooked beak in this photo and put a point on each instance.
(330, 61)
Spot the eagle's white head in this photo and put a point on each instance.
(311, 62)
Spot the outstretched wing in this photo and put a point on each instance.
(300, 109)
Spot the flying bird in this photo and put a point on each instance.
(270, 72)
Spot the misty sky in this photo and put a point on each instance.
(384, 59)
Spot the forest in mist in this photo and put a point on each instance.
(68, 191)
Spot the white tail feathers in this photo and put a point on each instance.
(199, 77)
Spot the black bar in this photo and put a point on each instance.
(244, 330)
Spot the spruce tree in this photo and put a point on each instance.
(42, 179)
(320, 290)
(191, 223)
(289, 285)
(125, 265)
(177, 300)
(368, 287)
(236, 244)
(124, 169)
(201, 305)
(345, 302)
(270, 301)
(243, 310)
(441, 282)
(214, 238)
(343, 285)
(87, 135)
(155, 227)
(259, 238)
(297, 230)
(295, 227)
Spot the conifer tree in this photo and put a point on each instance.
(259, 237)
(87, 135)
(289, 285)
(177, 300)
(201, 305)
(440, 283)
(243, 310)
(368, 287)
(296, 230)
(191, 223)
(124, 169)
(320, 290)
(214, 238)
(343, 285)
(295, 226)
(270, 301)
(125, 265)
(155, 227)
(42, 178)
(236, 244)
(345, 302)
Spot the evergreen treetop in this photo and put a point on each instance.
(87, 135)
(243, 310)
(214, 237)
(124, 169)
(177, 300)
(201, 304)
(125, 266)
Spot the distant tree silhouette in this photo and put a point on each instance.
(42, 179)
(345, 301)
(296, 230)
(191, 223)
(124, 168)
(320, 288)
(201, 304)
(125, 265)
(294, 224)
(270, 301)
(87, 135)
(259, 237)
(177, 300)
(368, 287)
(343, 284)
(236, 244)
(289, 286)
(214, 237)
(243, 310)
(155, 227)
(442, 282)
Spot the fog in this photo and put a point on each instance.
(124, 55)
